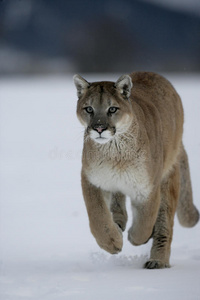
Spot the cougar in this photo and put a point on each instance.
(133, 147)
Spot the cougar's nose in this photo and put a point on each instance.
(99, 128)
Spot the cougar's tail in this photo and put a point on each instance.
(187, 213)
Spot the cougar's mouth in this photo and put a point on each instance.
(101, 137)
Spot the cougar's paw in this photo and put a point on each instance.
(155, 264)
(136, 239)
(120, 220)
(121, 225)
(111, 241)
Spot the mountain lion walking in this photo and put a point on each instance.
(133, 147)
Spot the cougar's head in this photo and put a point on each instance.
(104, 107)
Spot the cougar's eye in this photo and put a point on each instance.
(89, 109)
(112, 110)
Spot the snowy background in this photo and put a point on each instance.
(46, 248)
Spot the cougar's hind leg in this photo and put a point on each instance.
(163, 230)
(187, 213)
(118, 209)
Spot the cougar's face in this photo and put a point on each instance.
(104, 112)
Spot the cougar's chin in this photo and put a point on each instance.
(101, 138)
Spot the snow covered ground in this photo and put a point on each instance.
(46, 248)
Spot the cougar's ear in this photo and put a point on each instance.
(124, 85)
(81, 85)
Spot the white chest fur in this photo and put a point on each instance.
(132, 181)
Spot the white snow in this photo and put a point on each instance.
(46, 248)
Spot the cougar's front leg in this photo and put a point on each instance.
(107, 234)
(163, 231)
(145, 213)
